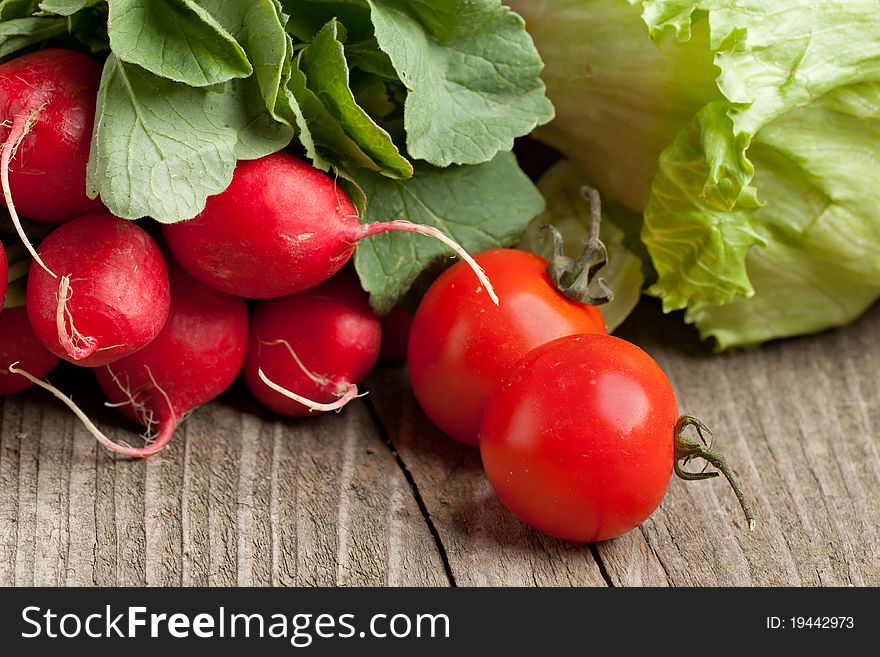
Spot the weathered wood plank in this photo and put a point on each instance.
(485, 544)
(238, 499)
(243, 497)
(795, 420)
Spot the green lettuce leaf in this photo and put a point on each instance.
(821, 265)
(773, 59)
(620, 100)
(697, 113)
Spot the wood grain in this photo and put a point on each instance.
(485, 545)
(238, 499)
(376, 496)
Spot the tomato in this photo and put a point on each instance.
(579, 442)
(583, 436)
(461, 345)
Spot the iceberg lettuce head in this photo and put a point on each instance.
(746, 131)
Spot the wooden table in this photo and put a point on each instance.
(376, 496)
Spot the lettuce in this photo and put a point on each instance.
(746, 131)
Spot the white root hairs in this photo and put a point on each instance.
(351, 392)
(317, 378)
(87, 422)
(171, 413)
(145, 415)
(345, 394)
(75, 343)
(20, 128)
(126, 450)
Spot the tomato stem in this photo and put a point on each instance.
(688, 448)
(574, 278)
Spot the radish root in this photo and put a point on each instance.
(350, 392)
(74, 343)
(317, 378)
(166, 428)
(366, 230)
(144, 414)
(345, 393)
(21, 126)
(77, 345)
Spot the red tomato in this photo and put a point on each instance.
(579, 442)
(461, 345)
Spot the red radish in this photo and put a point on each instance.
(308, 351)
(47, 108)
(47, 100)
(282, 226)
(194, 359)
(396, 326)
(4, 277)
(112, 298)
(19, 344)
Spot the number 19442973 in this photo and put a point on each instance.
(810, 622)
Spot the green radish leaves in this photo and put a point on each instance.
(24, 32)
(327, 75)
(177, 40)
(65, 7)
(472, 74)
(256, 107)
(175, 154)
(412, 105)
(482, 207)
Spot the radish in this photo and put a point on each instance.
(308, 351)
(194, 359)
(19, 344)
(47, 109)
(120, 299)
(282, 226)
(4, 277)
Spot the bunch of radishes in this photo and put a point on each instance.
(166, 329)
(577, 430)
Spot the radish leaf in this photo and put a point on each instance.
(156, 151)
(257, 107)
(472, 74)
(65, 7)
(175, 40)
(23, 32)
(327, 75)
(481, 207)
